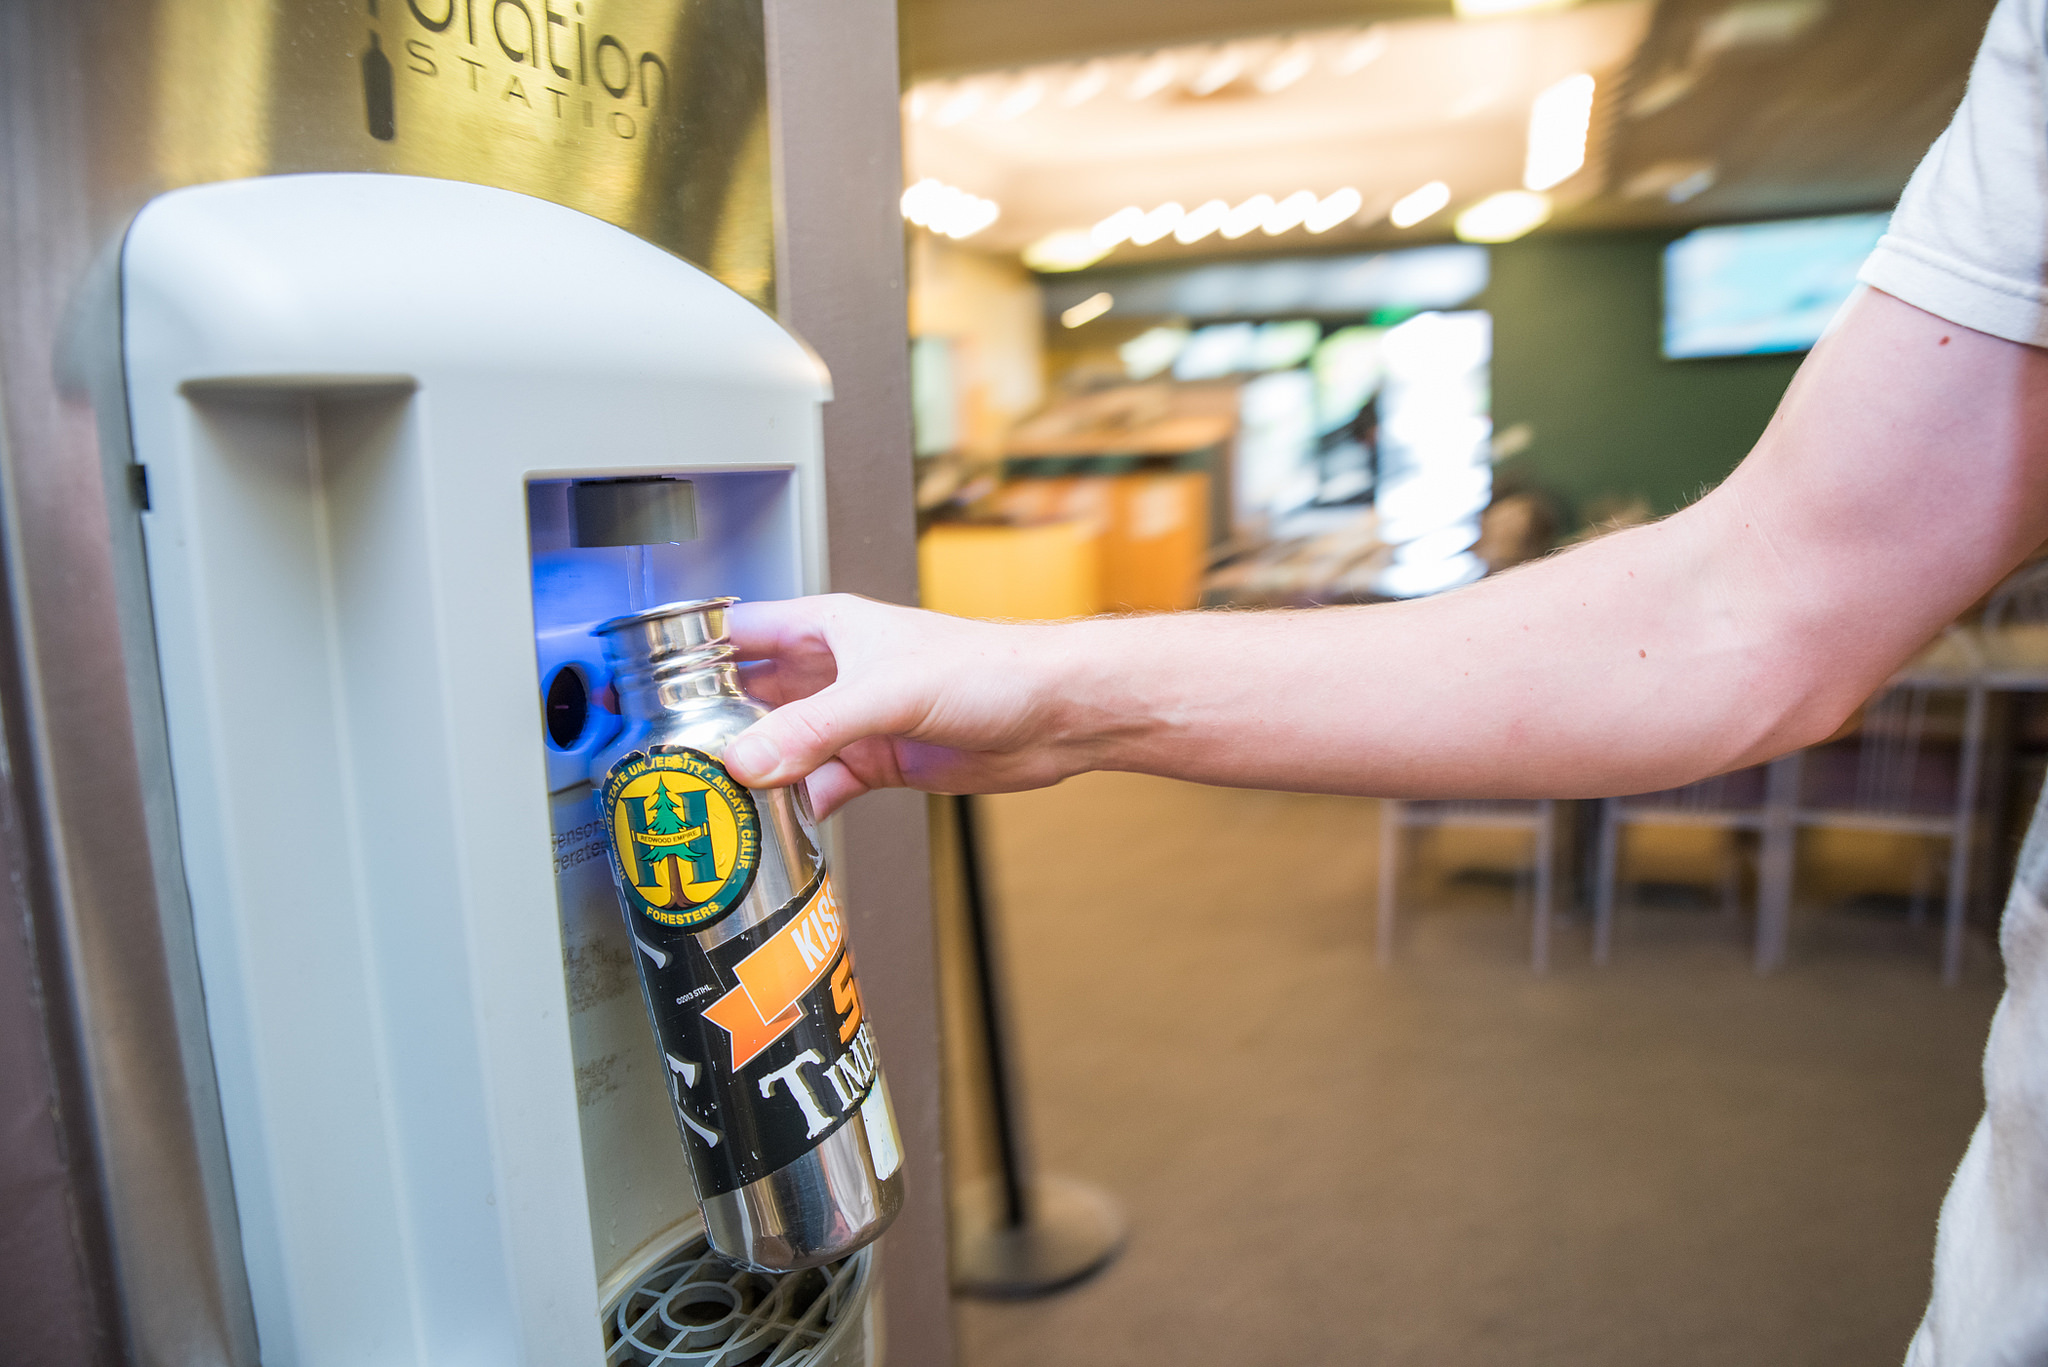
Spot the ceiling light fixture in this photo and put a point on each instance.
(1118, 227)
(1088, 310)
(1247, 216)
(1226, 66)
(974, 215)
(1559, 119)
(1158, 224)
(1503, 217)
(1334, 208)
(1411, 208)
(1070, 249)
(1660, 94)
(1201, 221)
(1154, 76)
(947, 209)
(1675, 181)
(1288, 213)
(1295, 61)
(1488, 9)
(1692, 187)
(1022, 99)
(961, 105)
(1361, 52)
(1757, 23)
(1088, 82)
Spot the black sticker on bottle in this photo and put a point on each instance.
(765, 1043)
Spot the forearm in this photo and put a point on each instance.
(1638, 661)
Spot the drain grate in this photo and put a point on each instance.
(698, 1310)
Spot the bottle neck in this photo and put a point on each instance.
(668, 657)
(678, 681)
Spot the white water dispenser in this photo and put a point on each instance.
(359, 408)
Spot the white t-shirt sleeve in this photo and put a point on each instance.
(1969, 240)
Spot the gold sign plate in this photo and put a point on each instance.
(651, 114)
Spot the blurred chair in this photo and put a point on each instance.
(1539, 818)
(2021, 601)
(1758, 799)
(1909, 767)
(2011, 646)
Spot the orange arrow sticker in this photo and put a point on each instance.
(775, 977)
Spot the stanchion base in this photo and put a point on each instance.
(1075, 1230)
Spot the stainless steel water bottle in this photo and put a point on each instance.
(743, 958)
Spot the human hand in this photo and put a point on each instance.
(869, 695)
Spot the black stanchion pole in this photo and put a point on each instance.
(1021, 1235)
(995, 1035)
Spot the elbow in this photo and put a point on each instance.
(1814, 718)
(1801, 693)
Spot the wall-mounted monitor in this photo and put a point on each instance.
(1758, 288)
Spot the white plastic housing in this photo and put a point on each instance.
(340, 388)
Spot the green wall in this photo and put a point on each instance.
(1576, 321)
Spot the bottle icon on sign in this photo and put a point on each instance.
(377, 99)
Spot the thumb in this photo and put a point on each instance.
(787, 744)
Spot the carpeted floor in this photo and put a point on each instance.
(1668, 1161)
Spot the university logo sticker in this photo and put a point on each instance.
(685, 837)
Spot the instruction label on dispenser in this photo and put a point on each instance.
(767, 1047)
(685, 838)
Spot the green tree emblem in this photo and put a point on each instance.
(672, 826)
(667, 820)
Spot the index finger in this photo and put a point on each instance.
(764, 631)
